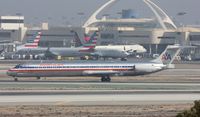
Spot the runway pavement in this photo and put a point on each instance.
(108, 99)
(97, 86)
(53, 93)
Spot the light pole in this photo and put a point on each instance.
(119, 13)
(19, 15)
(49, 19)
(64, 19)
(81, 18)
(19, 21)
(182, 41)
(106, 15)
(181, 14)
(36, 21)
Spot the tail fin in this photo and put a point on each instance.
(34, 41)
(92, 42)
(169, 54)
(77, 40)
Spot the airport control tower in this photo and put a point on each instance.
(128, 13)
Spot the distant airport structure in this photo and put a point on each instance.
(11, 22)
(153, 33)
(128, 13)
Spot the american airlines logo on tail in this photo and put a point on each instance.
(33, 42)
(91, 43)
(169, 55)
(166, 56)
(86, 37)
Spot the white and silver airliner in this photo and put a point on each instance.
(32, 47)
(93, 68)
(108, 51)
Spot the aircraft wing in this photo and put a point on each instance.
(100, 73)
(96, 54)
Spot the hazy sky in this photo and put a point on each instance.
(63, 12)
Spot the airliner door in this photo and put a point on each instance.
(133, 68)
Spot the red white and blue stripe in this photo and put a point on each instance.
(34, 42)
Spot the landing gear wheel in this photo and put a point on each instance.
(123, 59)
(105, 79)
(83, 58)
(15, 79)
(108, 79)
(38, 78)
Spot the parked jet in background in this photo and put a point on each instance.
(82, 50)
(32, 48)
(112, 51)
(94, 68)
(118, 51)
(87, 49)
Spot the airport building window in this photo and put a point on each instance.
(167, 37)
(133, 36)
(57, 35)
(194, 37)
(11, 21)
(51, 43)
(50, 35)
(106, 43)
(5, 34)
(107, 36)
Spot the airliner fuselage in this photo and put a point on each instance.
(101, 69)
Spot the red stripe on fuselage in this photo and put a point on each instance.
(89, 50)
(56, 70)
(89, 47)
(31, 46)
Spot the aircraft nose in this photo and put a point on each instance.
(11, 73)
(144, 50)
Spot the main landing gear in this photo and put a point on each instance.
(38, 78)
(15, 79)
(105, 79)
(123, 59)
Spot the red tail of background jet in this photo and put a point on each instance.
(34, 41)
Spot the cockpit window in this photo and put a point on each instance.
(18, 66)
